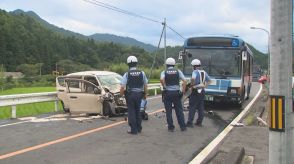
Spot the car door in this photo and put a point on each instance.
(61, 91)
(83, 96)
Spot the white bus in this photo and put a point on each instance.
(227, 60)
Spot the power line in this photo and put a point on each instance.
(111, 7)
(114, 8)
(175, 32)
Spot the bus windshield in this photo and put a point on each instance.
(220, 63)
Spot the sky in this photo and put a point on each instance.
(189, 18)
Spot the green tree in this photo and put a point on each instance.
(29, 70)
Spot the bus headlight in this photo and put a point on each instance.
(233, 91)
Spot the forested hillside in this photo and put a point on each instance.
(97, 37)
(259, 58)
(25, 41)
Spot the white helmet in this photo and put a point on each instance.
(132, 59)
(170, 61)
(195, 62)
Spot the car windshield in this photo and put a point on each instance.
(110, 80)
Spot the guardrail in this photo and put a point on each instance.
(154, 87)
(13, 100)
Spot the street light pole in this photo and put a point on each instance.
(268, 45)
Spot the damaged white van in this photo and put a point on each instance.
(92, 92)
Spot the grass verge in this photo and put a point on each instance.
(29, 109)
(27, 90)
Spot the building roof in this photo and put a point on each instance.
(14, 75)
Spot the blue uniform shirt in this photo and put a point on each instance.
(173, 87)
(196, 76)
(124, 81)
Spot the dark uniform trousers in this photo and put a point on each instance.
(173, 97)
(196, 101)
(134, 118)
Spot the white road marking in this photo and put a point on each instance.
(26, 118)
(58, 117)
(156, 97)
(208, 149)
(48, 119)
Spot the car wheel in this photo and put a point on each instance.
(145, 116)
(107, 109)
(66, 110)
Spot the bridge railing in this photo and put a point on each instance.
(14, 100)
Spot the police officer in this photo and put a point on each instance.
(134, 86)
(172, 96)
(199, 81)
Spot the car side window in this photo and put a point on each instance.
(74, 85)
(91, 79)
(90, 88)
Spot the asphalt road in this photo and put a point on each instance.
(60, 139)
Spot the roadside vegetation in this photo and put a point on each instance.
(14, 91)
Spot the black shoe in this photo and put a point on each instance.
(198, 124)
(190, 125)
(130, 132)
(171, 130)
(184, 129)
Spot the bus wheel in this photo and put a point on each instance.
(107, 109)
(243, 94)
(248, 92)
(66, 110)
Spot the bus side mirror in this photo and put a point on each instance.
(189, 55)
(244, 56)
(181, 53)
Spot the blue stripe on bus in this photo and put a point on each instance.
(220, 85)
(215, 92)
(220, 88)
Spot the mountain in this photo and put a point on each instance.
(26, 44)
(49, 26)
(122, 40)
(97, 37)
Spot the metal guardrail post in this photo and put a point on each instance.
(13, 111)
(56, 105)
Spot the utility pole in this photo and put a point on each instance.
(281, 141)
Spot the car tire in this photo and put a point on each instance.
(66, 110)
(107, 109)
(145, 116)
